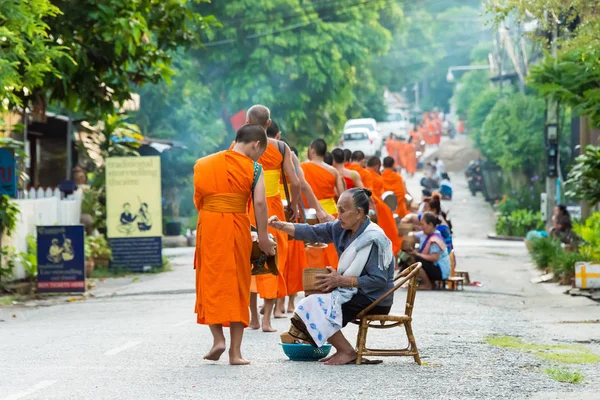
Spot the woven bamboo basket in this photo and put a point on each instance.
(408, 243)
(309, 280)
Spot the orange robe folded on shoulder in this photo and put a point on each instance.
(393, 181)
(322, 183)
(385, 217)
(269, 286)
(365, 176)
(222, 190)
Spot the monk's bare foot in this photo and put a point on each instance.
(279, 314)
(254, 325)
(290, 310)
(341, 358)
(237, 359)
(215, 353)
(266, 326)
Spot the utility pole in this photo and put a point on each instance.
(552, 140)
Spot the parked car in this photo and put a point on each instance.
(397, 124)
(368, 123)
(362, 139)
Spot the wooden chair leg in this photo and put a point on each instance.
(362, 340)
(412, 342)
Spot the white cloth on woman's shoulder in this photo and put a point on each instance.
(322, 313)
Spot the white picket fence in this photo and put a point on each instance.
(42, 207)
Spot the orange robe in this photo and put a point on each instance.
(322, 183)
(295, 264)
(410, 155)
(269, 286)
(365, 176)
(222, 189)
(385, 217)
(393, 181)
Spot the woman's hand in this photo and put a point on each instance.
(328, 282)
(322, 216)
(275, 223)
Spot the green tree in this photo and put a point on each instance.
(27, 51)
(513, 135)
(471, 85)
(302, 58)
(117, 46)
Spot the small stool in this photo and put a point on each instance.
(463, 274)
(455, 282)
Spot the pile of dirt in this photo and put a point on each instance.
(456, 154)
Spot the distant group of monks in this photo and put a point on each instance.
(244, 186)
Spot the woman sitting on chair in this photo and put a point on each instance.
(365, 272)
(432, 252)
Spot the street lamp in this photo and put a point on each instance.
(450, 75)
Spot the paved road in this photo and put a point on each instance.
(137, 338)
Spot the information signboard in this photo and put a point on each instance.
(60, 258)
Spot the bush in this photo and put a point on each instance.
(518, 223)
(528, 198)
(584, 177)
(544, 250)
(563, 263)
(589, 233)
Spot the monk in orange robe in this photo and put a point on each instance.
(358, 164)
(223, 185)
(326, 184)
(410, 155)
(351, 178)
(385, 217)
(276, 157)
(393, 181)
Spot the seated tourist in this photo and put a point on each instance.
(446, 187)
(562, 226)
(432, 253)
(365, 272)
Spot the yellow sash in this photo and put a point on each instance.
(272, 179)
(227, 203)
(329, 206)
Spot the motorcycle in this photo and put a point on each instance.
(474, 177)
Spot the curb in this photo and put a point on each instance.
(493, 236)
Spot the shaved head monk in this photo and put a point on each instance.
(394, 182)
(326, 184)
(357, 164)
(276, 157)
(223, 185)
(347, 157)
(351, 178)
(385, 216)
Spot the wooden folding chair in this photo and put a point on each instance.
(366, 321)
(454, 281)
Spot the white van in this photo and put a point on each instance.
(362, 139)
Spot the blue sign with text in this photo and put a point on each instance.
(8, 173)
(61, 258)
